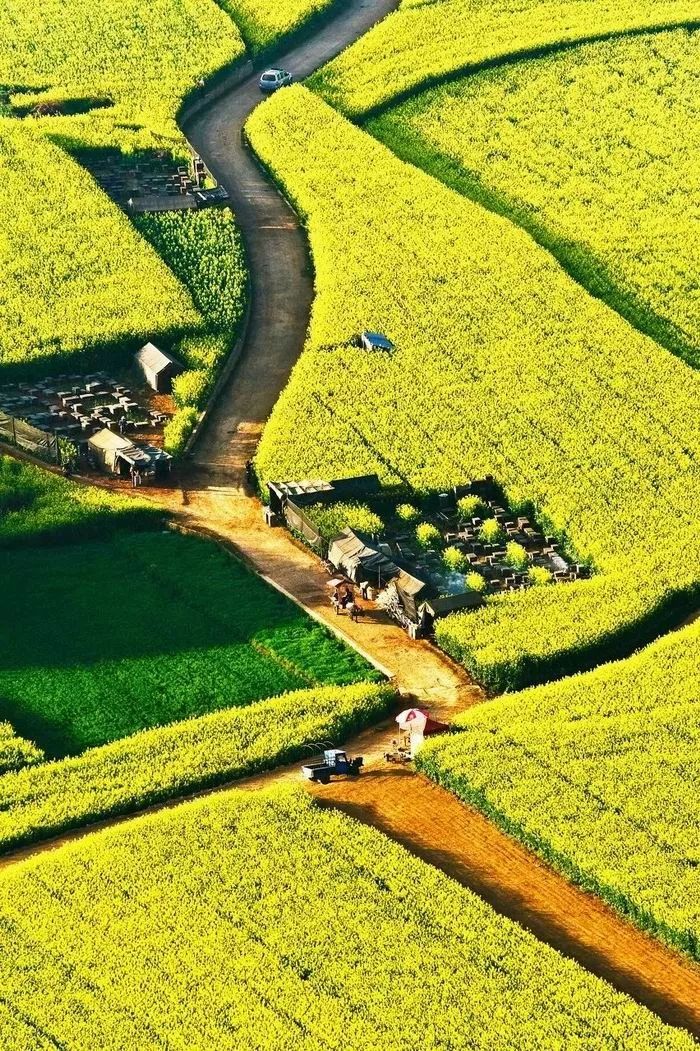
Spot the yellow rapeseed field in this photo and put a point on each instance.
(503, 366)
(599, 774)
(595, 151)
(258, 921)
(423, 43)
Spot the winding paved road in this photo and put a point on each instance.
(278, 258)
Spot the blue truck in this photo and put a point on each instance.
(335, 762)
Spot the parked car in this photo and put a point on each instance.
(272, 79)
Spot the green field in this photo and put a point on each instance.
(38, 508)
(143, 630)
(594, 151)
(599, 775)
(503, 365)
(259, 921)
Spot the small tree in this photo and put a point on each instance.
(428, 536)
(407, 513)
(491, 532)
(469, 507)
(539, 576)
(455, 559)
(475, 581)
(516, 555)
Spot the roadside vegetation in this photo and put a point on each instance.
(264, 23)
(205, 251)
(503, 366)
(598, 774)
(279, 924)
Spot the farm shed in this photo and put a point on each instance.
(412, 593)
(114, 453)
(161, 203)
(158, 367)
(435, 608)
(351, 553)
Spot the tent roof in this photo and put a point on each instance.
(410, 585)
(106, 439)
(351, 547)
(153, 358)
(309, 485)
(377, 340)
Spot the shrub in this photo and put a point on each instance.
(491, 532)
(516, 555)
(178, 430)
(475, 581)
(407, 513)
(190, 388)
(334, 518)
(428, 536)
(455, 559)
(469, 507)
(539, 576)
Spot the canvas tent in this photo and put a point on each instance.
(434, 608)
(353, 555)
(412, 593)
(158, 368)
(114, 453)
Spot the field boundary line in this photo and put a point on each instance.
(507, 58)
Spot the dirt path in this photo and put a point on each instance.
(454, 837)
(278, 260)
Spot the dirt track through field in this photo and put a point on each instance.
(457, 839)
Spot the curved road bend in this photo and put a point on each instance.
(280, 269)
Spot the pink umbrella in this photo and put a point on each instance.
(415, 720)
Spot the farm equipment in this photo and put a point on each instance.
(398, 754)
(335, 762)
